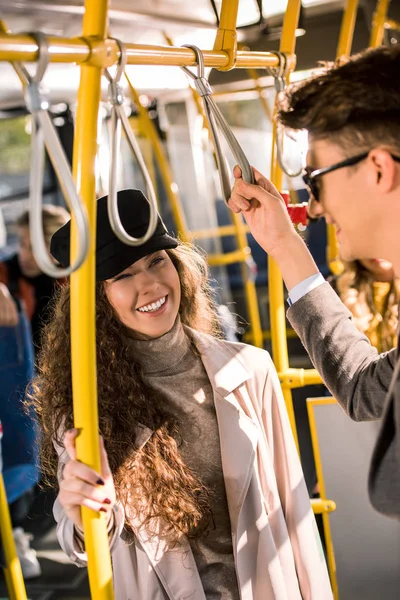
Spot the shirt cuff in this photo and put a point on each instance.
(305, 286)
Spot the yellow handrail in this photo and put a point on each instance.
(226, 38)
(311, 403)
(83, 322)
(275, 283)
(378, 23)
(12, 570)
(105, 53)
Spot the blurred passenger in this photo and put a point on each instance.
(200, 482)
(371, 292)
(24, 296)
(21, 278)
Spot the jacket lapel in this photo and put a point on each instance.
(238, 433)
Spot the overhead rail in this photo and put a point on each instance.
(44, 136)
(120, 121)
(96, 52)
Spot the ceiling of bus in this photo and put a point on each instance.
(185, 21)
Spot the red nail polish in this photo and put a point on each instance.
(102, 509)
(107, 501)
(100, 482)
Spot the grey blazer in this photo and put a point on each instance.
(359, 378)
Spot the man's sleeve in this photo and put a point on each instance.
(356, 375)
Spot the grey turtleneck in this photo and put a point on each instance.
(172, 367)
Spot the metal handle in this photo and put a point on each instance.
(218, 124)
(45, 135)
(279, 74)
(119, 120)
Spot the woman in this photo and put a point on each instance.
(201, 484)
(371, 292)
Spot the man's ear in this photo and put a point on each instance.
(382, 170)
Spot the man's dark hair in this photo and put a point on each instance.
(354, 103)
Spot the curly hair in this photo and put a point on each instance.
(164, 487)
(355, 287)
(354, 102)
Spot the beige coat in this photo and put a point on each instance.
(277, 551)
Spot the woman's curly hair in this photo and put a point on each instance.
(151, 479)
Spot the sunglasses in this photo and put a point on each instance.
(311, 178)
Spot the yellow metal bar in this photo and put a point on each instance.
(249, 284)
(12, 572)
(392, 24)
(276, 298)
(321, 506)
(378, 23)
(311, 402)
(83, 323)
(290, 334)
(226, 38)
(294, 378)
(218, 260)
(170, 186)
(343, 49)
(347, 28)
(104, 53)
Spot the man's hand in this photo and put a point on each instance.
(264, 211)
(8, 308)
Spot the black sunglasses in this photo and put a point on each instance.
(310, 179)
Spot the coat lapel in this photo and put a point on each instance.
(238, 433)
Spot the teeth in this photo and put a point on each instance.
(154, 306)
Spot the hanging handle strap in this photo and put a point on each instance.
(119, 120)
(218, 124)
(45, 135)
(279, 74)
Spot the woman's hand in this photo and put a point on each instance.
(82, 486)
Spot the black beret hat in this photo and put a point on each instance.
(112, 255)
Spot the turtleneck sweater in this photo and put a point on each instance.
(172, 366)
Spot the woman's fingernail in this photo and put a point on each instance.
(102, 509)
(100, 482)
(107, 501)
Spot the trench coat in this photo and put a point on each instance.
(276, 546)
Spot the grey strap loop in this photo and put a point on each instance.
(217, 122)
(279, 74)
(119, 120)
(45, 135)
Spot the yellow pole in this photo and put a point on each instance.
(347, 29)
(275, 283)
(311, 402)
(83, 324)
(12, 571)
(226, 38)
(343, 49)
(378, 23)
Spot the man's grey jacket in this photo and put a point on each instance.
(359, 378)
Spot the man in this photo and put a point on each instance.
(352, 114)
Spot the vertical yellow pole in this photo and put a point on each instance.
(83, 324)
(275, 283)
(226, 38)
(12, 572)
(343, 49)
(378, 23)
